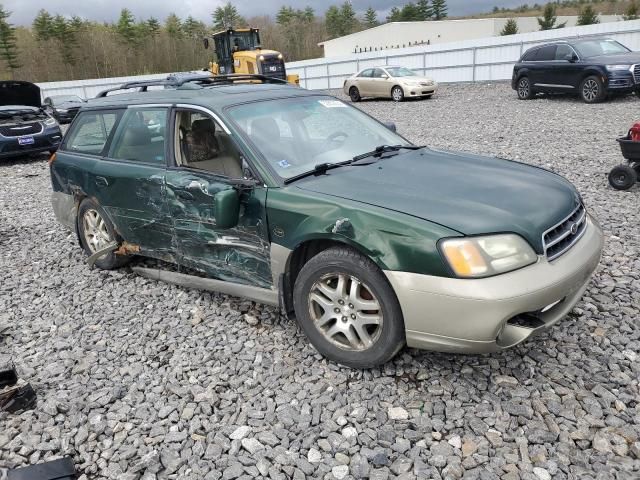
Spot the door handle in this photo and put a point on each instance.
(102, 182)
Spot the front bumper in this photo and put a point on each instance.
(491, 314)
(620, 82)
(42, 142)
(419, 90)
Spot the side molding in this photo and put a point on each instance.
(262, 295)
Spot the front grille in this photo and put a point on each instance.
(274, 69)
(21, 129)
(560, 238)
(636, 73)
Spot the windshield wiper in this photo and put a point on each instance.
(321, 168)
(380, 149)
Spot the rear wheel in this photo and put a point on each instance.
(347, 309)
(623, 177)
(592, 90)
(525, 92)
(96, 232)
(397, 94)
(354, 94)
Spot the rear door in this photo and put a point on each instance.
(364, 83)
(129, 181)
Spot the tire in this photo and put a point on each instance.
(88, 210)
(592, 90)
(354, 94)
(397, 94)
(524, 90)
(342, 337)
(623, 177)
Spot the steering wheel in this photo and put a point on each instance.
(338, 138)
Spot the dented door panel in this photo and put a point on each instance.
(239, 254)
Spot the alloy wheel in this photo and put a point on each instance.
(523, 88)
(96, 233)
(397, 94)
(590, 90)
(345, 311)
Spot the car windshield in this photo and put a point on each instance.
(296, 134)
(66, 98)
(401, 72)
(594, 48)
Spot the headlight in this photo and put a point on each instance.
(613, 68)
(62, 110)
(280, 56)
(50, 121)
(261, 58)
(476, 257)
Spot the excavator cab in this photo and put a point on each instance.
(239, 51)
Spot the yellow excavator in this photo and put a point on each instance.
(239, 51)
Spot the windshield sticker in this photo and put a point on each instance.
(284, 164)
(332, 103)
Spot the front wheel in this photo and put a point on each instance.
(347, 309)
(525, 92)
(397, 94)
(354, 94)
(592, 90)
(623, 177)
(96, 232)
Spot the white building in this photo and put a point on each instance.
(406, 34)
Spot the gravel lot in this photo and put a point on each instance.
(142, 380)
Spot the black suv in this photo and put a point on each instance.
(592, 68)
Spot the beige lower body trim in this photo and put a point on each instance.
(64, 208)
(464, 315)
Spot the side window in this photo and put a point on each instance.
(202, 143)
(529, 55)
(546, 54)
(378, 72)
(562, 51)
(366, 73)
(141, 136)
(90, 132)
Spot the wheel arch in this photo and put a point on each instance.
(591, 72)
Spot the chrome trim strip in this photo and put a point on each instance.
(552, 85)
(573, 242)
(567, 233)
(208, 112)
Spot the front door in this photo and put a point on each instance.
(207, 161)
(381, 86)
(566, 74)
(129, 180)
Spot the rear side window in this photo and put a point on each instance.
(91, 131)
(367, 73)
(529, 55)
(546, 54)
(141, 136)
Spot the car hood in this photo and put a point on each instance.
(616, 59)
(19, 93)
(471, 194)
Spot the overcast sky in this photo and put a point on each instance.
(23, 11)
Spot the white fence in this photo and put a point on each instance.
(469, 61)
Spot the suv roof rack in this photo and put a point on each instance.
(176, 82)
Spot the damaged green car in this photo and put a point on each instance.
(295, 199)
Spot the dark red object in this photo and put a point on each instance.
(634, 132)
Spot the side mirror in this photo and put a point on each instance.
(391, 126)
(384, 76)
(570, 57)
(227, 208)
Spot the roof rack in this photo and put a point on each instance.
(142, 86)
(230, 78)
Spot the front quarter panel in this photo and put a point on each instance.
(395, 241)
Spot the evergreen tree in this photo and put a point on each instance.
(395, 15)
(371, 18)
(632, 11)
(8, 43)
(126, 27)
(173, 26)
(309, 14)
(349, 19)
(549, 18)
(439, 8)
(588, 16)
(410, 13)
(194, 28)
(227, 16)
(426, 10)
(510, 28)
(43, 25)
(285, 15)
(65, 33)
(153, 26)
(340, 21)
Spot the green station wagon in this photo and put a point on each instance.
(296, 199)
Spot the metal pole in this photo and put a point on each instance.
(473, 74)
(304, 72)
(328, 79)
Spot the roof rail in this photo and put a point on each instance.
(230, 78)
(140, 85)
